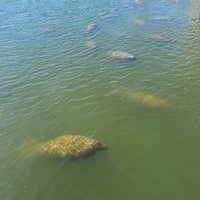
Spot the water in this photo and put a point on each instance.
(52, 84)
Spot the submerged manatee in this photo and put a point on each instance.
(161, 18)
(91, 27)
(138, 1)
(68, 146)
(138, 21)
(120, 55)
(90, 44)
(157, 37)
(140, 98)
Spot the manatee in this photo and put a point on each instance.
(140, 98)
(90, 44)
(66, 146)
(120, 32)
(108, 16)
(139, 21)
(120, 55)
(138, 1)
(157, 37)
(91, 27)
(104, 14)
(161, 18)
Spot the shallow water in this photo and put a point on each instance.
(52, 84)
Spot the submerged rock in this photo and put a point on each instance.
(120, 55)
(66, 146)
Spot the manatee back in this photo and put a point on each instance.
(72, 146)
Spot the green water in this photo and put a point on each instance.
(51, 84)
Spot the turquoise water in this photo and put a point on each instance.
(52, 83)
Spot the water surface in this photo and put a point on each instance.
(52, 84)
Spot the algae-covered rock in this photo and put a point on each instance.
(72, 146)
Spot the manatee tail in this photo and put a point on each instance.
(29, 148)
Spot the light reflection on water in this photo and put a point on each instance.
(52, 84)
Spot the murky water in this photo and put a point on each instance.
(57, 78)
